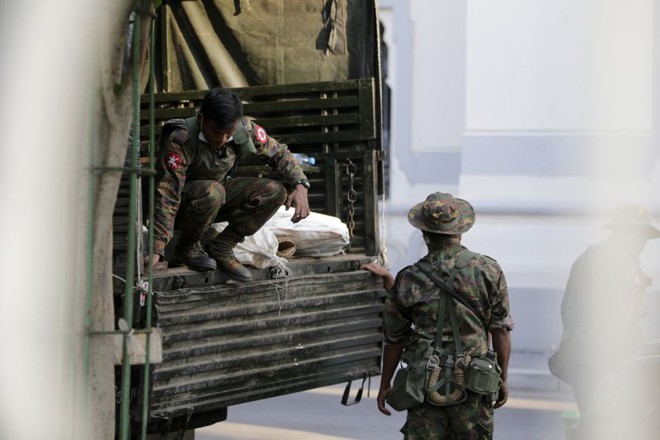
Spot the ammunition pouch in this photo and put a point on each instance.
(441, 378)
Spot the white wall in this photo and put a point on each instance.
(573, 72)
(561, 65)
(543, 114)
(438, 84)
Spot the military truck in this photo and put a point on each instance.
(309, 73)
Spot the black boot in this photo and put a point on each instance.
(193, 256)
(221, 248)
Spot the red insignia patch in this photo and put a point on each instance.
(261, 135)
(173, 161)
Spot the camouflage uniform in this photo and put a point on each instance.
(603, 304)
(194, 187)
(414, 300)
(601, 310)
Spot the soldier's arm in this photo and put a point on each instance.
(396, 331)
(500, 328)
(502, 345)
(171, 168)
(500, 315)
(391, 357)
(278, 157)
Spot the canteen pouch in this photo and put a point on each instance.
(484, 375)
(408, 388)
(404, 394)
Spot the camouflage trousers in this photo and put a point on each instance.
(470, 420)
(246, 203)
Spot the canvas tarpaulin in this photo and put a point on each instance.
(236, 43)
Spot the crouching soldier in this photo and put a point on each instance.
(194, 187)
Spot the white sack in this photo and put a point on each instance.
(318, 235)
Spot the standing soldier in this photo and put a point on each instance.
(415, 310)
(603, 305)
(195, 189)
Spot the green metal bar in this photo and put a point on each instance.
(152, 189)
(124, 419)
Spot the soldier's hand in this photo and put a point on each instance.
(383, 394)
(298, 199)
(503, 394)
(380, 271)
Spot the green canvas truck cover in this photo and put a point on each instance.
(257, 42)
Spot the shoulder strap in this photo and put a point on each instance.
(445, 287)
(243, 139)
(442, 310)
(442, 304)
(192, 124)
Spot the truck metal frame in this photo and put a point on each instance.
(225, 343)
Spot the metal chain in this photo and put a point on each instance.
(351, 196)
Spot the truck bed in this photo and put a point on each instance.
(226, 343)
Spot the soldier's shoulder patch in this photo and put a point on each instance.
(260, 134)
(173, 161)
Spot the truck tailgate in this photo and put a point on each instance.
(233, 343)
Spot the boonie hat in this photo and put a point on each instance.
(441, 213)
(633, 217)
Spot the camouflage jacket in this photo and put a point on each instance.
(183, 156)
(411, 307)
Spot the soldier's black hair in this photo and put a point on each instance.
(223, 106)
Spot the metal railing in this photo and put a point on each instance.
(134, 278)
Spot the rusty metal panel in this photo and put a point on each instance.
(234, 343)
